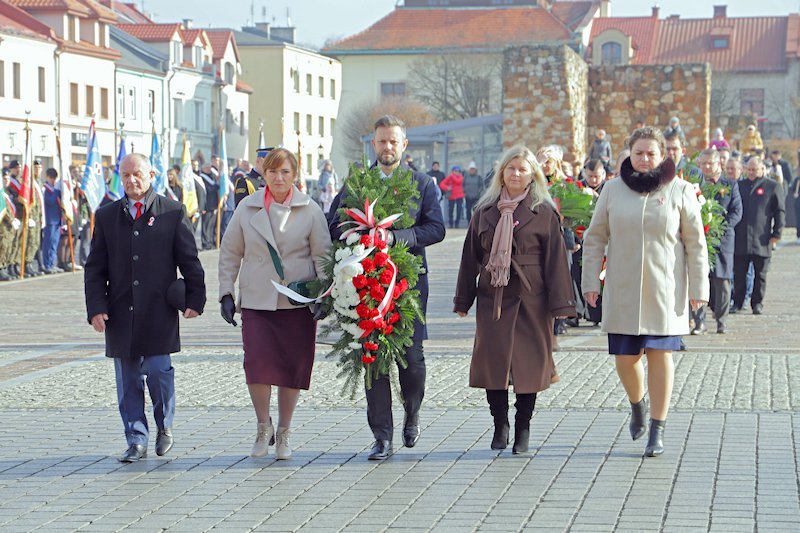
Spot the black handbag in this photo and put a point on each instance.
(303, 288)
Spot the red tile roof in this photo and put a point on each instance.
(641, 30)
(16, 20)
(219, 42)
(151, 32)
(243, 87)
(453, 28)
(573, 13)
(74, 6)
(189, 37)
(129, 13)
(756, 44)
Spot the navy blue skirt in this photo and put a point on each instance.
(619, 344)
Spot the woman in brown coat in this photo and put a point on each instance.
(515, 251)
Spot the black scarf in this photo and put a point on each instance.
(647, 182)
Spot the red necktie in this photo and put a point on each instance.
(138, 206)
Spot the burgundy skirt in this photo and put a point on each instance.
(279, 347)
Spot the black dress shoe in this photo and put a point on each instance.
(410, 430)
(700, 329)
(735, 309)
(133, 454)
(721, 328)
(381, 450)
(758, 309)
(163, 441)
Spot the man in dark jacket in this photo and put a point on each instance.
(720, 277)
(208, 233)
(130, 281)
(763, 210)
(473, 188)
(389, 143)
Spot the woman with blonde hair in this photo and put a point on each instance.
(515, 264)
(551, 159)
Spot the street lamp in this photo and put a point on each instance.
(320, 152)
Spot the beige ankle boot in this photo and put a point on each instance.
(282, 448)
(265, 435)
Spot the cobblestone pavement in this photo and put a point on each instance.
(732, 462)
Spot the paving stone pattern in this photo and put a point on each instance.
(731, 461)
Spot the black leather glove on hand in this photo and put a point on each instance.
(321, 310)
(227, 308)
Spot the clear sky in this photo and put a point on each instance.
(319, 20)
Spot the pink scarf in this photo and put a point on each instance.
(499, 265)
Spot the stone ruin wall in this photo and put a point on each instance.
(620, 96)
(551, 96)
(544, 98)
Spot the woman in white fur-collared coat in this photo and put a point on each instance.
(648, 225)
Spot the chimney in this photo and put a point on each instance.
(656, 9)
(605, 9)
(674, 17)
(720, 12)
(285, 34)
(263, 28)
(187, 24)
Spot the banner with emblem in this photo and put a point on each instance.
(188, 181)
(93, 184)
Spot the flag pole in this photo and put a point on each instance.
(25, 205)
(63, 209)
(219, 202)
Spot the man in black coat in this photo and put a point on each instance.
(130, 282)
(763, 210)
(720, 277)
(389, 142)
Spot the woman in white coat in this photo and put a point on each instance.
(648, 225)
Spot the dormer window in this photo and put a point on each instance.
(198, 56)
(177, 52)
(229, 73)
(721, 42)
(611, 53)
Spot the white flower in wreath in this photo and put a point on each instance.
(358, 249)
(702, 200)
(354, 345)
(352, 239)
(342, 253)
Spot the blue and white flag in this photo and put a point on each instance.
(224, 173)
(115, 188)
(158, 166)
(93, 184)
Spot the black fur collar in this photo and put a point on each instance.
(647, 182)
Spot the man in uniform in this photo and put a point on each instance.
(34, 241)
(389, 143)
(9, 225)
(130, 297)
(247, 185)
(13, 189)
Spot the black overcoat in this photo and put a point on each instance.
(130, 266)
(763, 216)
(731, 200)
(428, 229)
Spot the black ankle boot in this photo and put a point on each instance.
(655, 444)
(522, 421)
(498, 406)
(638, 418)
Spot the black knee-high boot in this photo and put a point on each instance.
(522, 421)
(498, 406)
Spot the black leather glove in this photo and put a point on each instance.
(321, 310)
(227, 308)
